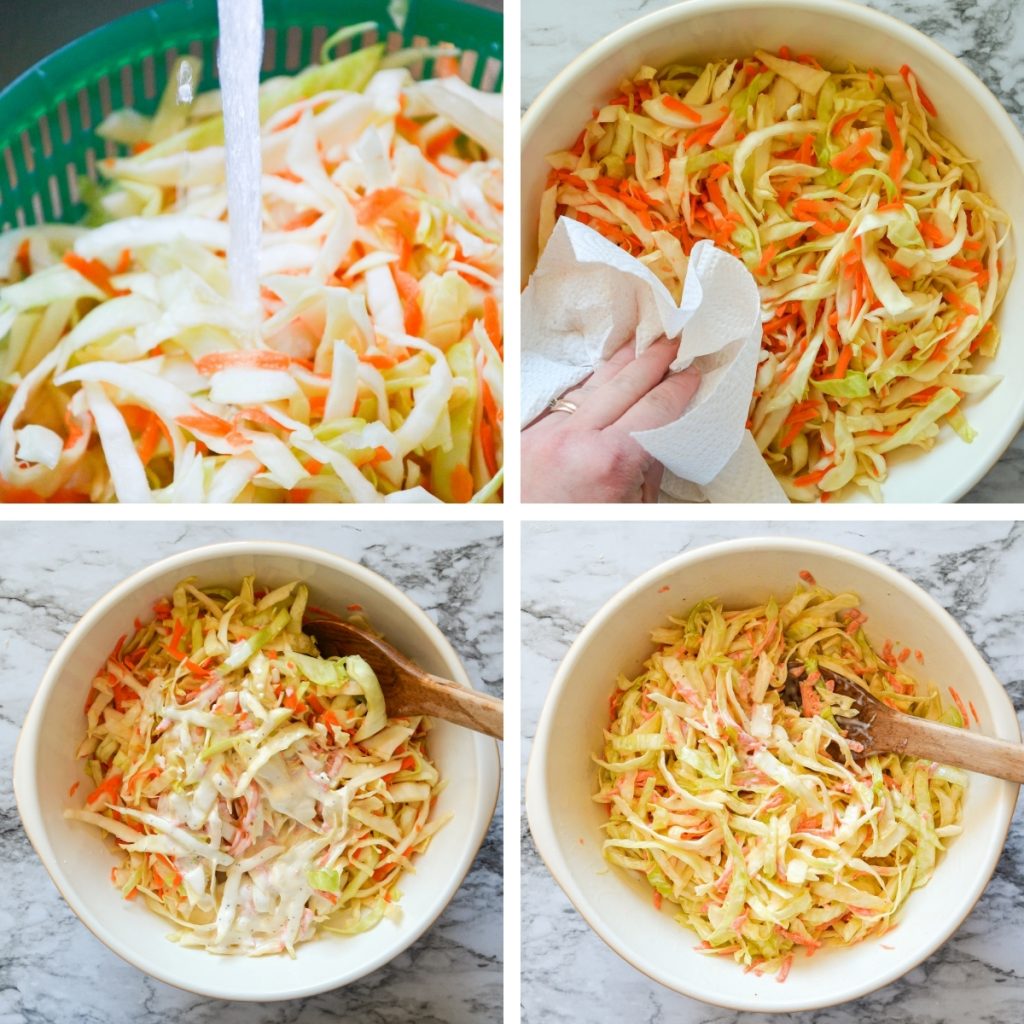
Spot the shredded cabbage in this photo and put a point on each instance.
(382, 254)
(258, 794)
(879, 258)
(751, 816)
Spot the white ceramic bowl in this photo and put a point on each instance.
(79, 860)
(561, 779)
(835, 31)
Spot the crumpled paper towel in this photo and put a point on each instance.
(588, 298)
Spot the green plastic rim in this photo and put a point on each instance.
(48, 115)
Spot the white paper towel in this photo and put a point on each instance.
(588, 298)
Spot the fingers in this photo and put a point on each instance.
(604, 372)
(662, 404)
(623, 382)
(608, 369)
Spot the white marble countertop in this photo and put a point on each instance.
(987, 34)
(52, 970)
(568, 573)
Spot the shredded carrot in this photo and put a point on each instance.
(407, 126)
(440, 142)
(380, 203)
(810, 478)
(854, 155)
(302, 220)
(205, 423)
(809, 209)
(24, 258)
(842, 363)
(379, 454)
(150, 438)
(177, 632)
(488, 446)
(932, 233)
(261, 359)
(766, 257)
(842, 122)
(954, 300)
(677, 106)
(702, 136)
(911, 79)
(108, 787)
(792, 434)
(409, 292)
(380, 360)
(94, 271)
(492, 321)
(462, 483)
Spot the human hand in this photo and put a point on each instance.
(588, 455)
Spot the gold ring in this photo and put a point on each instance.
(563, 405)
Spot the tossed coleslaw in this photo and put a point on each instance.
(751, 817)
(880, 259)
(375, 371)
(257, 793)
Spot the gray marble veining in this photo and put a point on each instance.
(987, 34)
(569, 571)
(52, 970)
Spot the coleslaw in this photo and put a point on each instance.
(375, 370)
(257, 793)
(751, 817)
(879, 258)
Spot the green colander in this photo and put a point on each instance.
(48, 116)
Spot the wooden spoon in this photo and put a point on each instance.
(881, 729)
(408, 689)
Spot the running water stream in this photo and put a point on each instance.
(239, 59)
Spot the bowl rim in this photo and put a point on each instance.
(545, 831)
(26, 795)
(544, 104)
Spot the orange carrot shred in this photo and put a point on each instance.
(677, 106)
(922, 95)
(24, 258)
(440, 142)
(462, 483)
(810, 478)
(492, 321)
(94, 271)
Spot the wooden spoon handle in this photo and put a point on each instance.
(476, 711)
(957, 747)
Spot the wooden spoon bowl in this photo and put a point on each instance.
(880, 729)
(408, 689)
